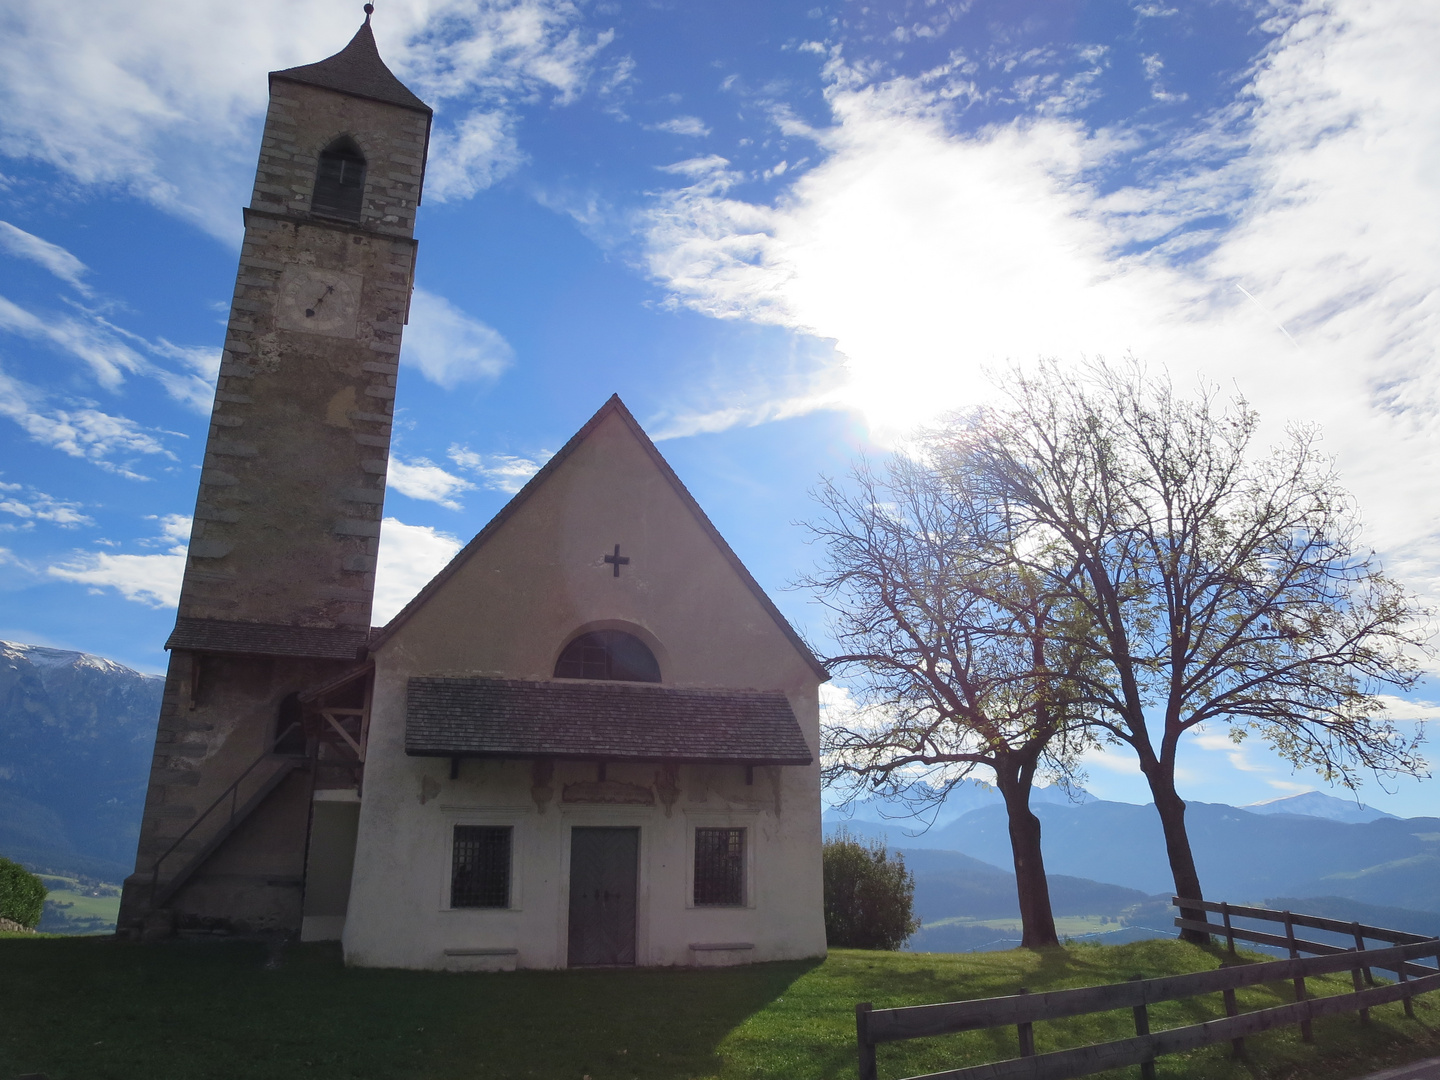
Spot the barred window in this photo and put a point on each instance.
(480, 869)
(720, 867)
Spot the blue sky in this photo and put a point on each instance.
(785, 233)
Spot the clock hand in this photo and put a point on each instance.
(310, 311)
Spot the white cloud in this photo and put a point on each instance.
(692, 126)
(30, 506)
(448, 346)
(85, 432)
(1117, 759)
(423, 479)
(153, 580)
(174, 530)
(410, 555)
(52, 257)
(478, 151)
(1408, 710)
(500, 472)
(141, 96)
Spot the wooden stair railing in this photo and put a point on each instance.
(161, 894)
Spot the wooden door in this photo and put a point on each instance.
(604, 866)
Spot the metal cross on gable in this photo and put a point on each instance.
(617, 560)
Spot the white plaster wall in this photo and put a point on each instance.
(506, 613)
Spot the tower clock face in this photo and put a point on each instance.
(317, 301)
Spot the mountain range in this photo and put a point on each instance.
(76, 736)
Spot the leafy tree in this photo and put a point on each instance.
(22, 894)
(868, 895)
(958, 650)
(1221, 585)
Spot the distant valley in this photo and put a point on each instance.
(1107, 860)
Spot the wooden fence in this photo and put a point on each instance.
(1023, 1010)
(1358, 932)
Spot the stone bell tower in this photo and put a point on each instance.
(281, 568)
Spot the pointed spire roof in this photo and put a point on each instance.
(357, 70)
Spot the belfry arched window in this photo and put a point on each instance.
(608, 654)
(340, 180)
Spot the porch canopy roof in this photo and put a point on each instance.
(510, 718)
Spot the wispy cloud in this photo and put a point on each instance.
(691, 126)
(423, 479)
(450, 347)
(110, 352)
(500, 472)
(108, 359)
(114, 443)
(30, 506)
(410, 555)
(54, 258)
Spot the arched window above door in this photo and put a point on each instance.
(608, 654)
(340, 180)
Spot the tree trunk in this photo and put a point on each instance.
(1037, 921)
(1171, 809)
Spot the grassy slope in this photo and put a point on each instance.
(96, 1009)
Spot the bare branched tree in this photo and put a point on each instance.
(962, 654)
(1220, 585)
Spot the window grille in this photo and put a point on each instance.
(480, 870)
(608, 654)
(720, 867)
(340, 180)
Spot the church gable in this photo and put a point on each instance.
(605, 538)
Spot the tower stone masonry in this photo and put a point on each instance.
(281, 568)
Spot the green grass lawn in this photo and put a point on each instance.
(95, 1009)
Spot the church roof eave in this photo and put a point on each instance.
(357, 70)
(617, 407)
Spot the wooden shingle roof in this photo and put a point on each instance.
(266, 639)
(512, 718)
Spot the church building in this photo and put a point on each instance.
(591, 740)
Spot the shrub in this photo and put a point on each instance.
(869, 895)
(22, 894)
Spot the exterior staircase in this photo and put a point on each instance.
(217, 823)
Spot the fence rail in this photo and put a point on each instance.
(1024, 1010)
(1357, 931)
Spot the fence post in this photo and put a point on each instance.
(1360, 947)
(1405, 983)
(1237, 1046)
(1305, 1032)
(1142, 1027)
(863, 1046)
(1359, 985)
(1025, 1032)
(1229, 931)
